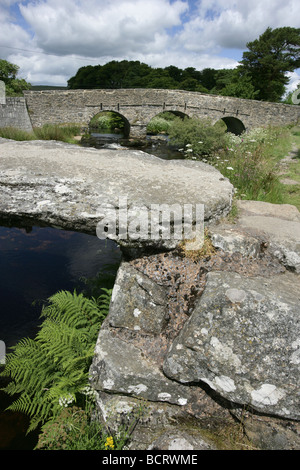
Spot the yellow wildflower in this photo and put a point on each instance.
(109, 444)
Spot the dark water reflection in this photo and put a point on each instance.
(33, 266)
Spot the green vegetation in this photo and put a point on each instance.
(249, 161)
(8, 74)
(16, 134)
(107, 121)
(199, 137)
(49, 376)
(73, 429)
(134, 74)
(161, 123)
(251, 169)
(63, 133)
(51, 371)
(291, 192)
(262, 73)
(268, 60)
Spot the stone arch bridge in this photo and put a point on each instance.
(139, 106)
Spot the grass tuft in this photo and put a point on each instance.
(63, 133)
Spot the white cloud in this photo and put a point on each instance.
(294, 81)
(219, 24)
(66, 35)
(96, 28)
(11, 34)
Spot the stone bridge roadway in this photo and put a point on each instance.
(138, 106)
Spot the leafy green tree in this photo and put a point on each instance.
(208, 78)
(159, 78)
(268, 60)
(134, 74)
(191, 72)
(174, 72)
(233, 82)
(8, 74)
(191, 84)
(114, 74)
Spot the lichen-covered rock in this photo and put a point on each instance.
(278, 224)
(155, 425)
(137, 303)
(120, 367)
(242, 339)
(270, 433)
(232, 240)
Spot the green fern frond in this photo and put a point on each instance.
(56, 363)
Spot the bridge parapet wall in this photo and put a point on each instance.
(13, 113)
(139, 106)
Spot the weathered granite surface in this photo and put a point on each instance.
(226, 343)
(76, 188)
(261, 224)
(242, 339)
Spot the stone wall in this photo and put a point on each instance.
(14, 113)
(139, 106)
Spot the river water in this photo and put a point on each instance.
(154, 145)
(36, 262)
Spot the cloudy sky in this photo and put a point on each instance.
(51, 39)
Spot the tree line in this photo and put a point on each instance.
(260, 75)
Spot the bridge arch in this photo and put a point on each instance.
(159, 121)
(234, 125)
(138, 106)
(125, 127)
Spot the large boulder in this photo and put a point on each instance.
(279, 224)
(114, 191)
(242, 339)
(262, 225)
(218, 334)
(230, 351)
